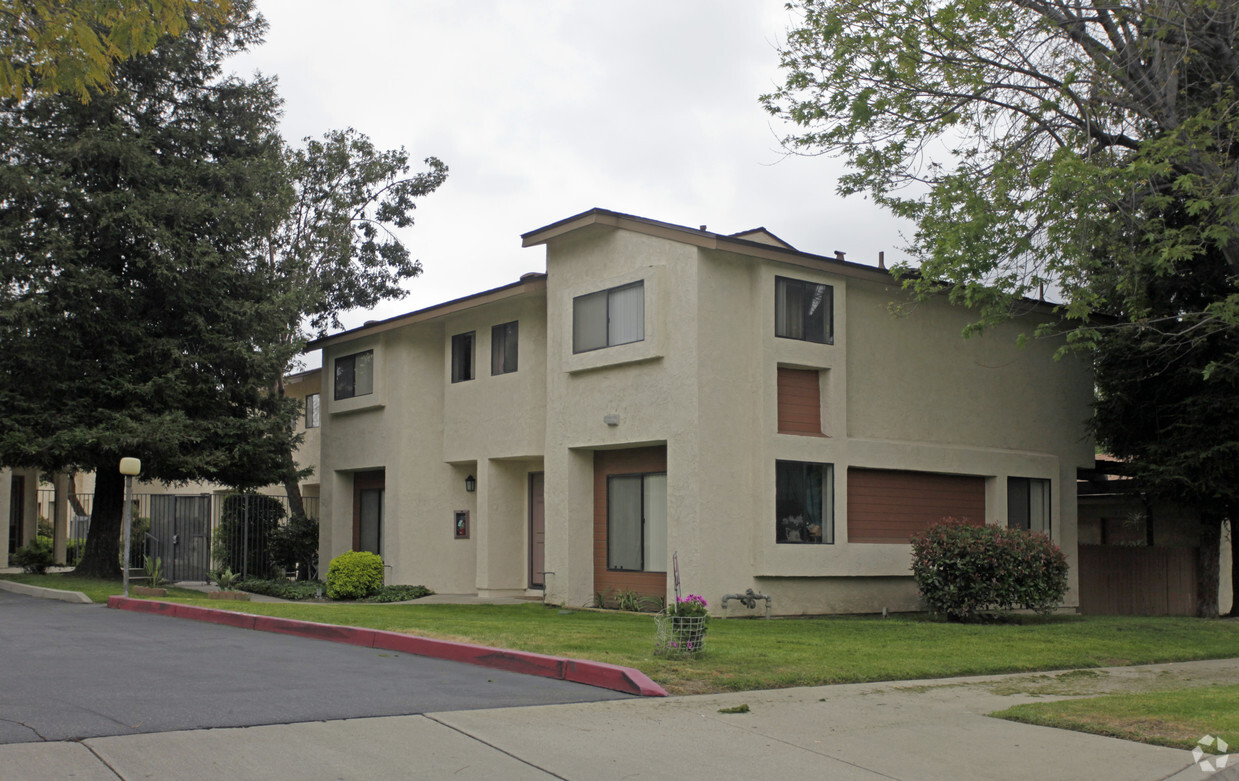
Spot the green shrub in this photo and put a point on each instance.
(354, 575)
(284, 589)
(964, 571)
(294, 546)
(247, 522)
(399, 593)
(35, 558)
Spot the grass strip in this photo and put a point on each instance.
(1177, 718)
(743, 654)
(96, 589)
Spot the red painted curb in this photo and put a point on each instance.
(599, 674)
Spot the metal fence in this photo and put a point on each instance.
(195, 534)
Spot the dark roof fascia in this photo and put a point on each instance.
(528, 283)
(704, 239)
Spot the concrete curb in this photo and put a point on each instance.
(76, 597)
(600, 674)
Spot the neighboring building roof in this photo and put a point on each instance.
(528, 283)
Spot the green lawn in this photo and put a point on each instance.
(97, 590)
(745, 654)
(1176, 718)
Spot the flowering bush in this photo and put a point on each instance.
(691, 605)
(681, 628)
(964, 570)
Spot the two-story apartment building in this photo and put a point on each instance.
(760, 413)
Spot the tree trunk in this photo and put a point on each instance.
(1233, 521)
(101, 555)
(292, 483)
(1207, 568)
(74, 500)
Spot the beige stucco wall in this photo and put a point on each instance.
(428, 434)
(898, 393)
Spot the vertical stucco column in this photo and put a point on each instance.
(335, 526)
(60, 515)
(501, 518)
(1067, 533)
(569, 495)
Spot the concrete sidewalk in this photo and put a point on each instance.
(931, 730)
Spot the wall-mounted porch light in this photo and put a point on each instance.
(471, 484)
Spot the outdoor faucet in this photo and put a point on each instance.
(748, 599)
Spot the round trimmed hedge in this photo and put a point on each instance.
(354, 575)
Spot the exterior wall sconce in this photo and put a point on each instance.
(129, 467)
(611, 420)
(471, 484)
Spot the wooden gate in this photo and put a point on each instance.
(1137, 581)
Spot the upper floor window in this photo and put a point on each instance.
(803, 310)
(1028, 504)
(355, 375)
(503, 348)
(462, 357)
(312, 411)
(608, 317)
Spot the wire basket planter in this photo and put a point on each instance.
(679, 636)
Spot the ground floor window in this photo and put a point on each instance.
(804, 502)
(637, 522)
(1028, 504)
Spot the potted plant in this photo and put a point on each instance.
(681, 627)
(154, 575)
(227, 581)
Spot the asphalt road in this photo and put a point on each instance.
(80, 671)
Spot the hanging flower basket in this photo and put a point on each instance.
(680, 630)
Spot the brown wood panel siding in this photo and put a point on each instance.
(623, 462)
(363, 481)
(1137, 581)
(891, 506)
(800, 402)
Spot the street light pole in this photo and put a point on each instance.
(128, 467)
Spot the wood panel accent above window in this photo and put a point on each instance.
(800, 402)
(891, 506)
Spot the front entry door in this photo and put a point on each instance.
(368, 511)
(537, 531)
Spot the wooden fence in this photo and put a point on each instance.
(1137, 581)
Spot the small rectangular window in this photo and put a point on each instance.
(312, 411)
(503, 338)
(608, 318)
(1028, 504)
(804, 502)
(462, 357)
(355, 375)
(803, 310)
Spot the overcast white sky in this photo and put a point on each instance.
(546, 108)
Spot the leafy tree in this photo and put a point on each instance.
(72, 46)
(338, 249)
(136, 309)
(1084, 147)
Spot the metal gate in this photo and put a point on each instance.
(180, 535)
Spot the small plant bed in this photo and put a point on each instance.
(295, 590)
(96, 589)
(1178, 718)
(302, 590)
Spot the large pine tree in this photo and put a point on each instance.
(137, 314)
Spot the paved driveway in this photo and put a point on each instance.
(79, 671)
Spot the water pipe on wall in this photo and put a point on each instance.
(748, 599)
